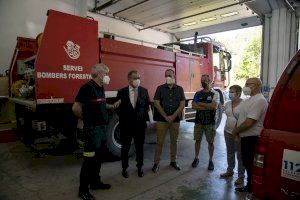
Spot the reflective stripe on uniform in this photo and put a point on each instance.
(89, 154)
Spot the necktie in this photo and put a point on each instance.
(135, 92)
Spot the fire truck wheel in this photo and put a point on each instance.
(219, 112)
(113, 137)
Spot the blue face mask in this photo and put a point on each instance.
(231, 96)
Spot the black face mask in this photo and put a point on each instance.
(204, 84)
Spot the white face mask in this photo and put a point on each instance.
(136, 83)
(231, 96)
(170, 80)
(246, 90)
(105, 80)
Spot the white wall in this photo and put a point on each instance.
(279, 44)
(27, 18)
(118, 27)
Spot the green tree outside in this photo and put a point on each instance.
(250, 64)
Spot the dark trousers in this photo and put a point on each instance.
(89, 174)
(137, 133)
(248, 150)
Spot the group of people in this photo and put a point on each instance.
(244, 120)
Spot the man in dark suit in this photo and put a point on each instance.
(133, 114)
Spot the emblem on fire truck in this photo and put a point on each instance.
(72, 50)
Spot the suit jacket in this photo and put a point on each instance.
(129, 116)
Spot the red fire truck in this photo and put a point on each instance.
(276, 166)
(45, 78)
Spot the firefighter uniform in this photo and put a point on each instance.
(95, 117)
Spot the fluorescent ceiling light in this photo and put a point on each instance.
(208, 19)
(190, 23)
(229, 14)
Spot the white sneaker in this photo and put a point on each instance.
(239, 181)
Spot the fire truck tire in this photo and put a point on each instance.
(113, 137)
(219, 112)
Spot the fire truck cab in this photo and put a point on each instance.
(276, 167)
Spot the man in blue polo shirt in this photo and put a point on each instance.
(205, 103)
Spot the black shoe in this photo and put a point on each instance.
(243, 189)
(140, 173)
(155, 168)
(195, 163)
(86, 196)
(211, 166)
(100, 186)
(125, 173)
(175, 165)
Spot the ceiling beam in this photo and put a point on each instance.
(132, 6)
(105, 5)
(228, 26)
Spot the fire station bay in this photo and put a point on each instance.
(149, 99)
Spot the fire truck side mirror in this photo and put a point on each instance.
(228, 65)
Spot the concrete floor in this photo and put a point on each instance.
(25, 177)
